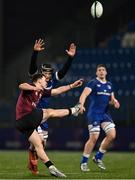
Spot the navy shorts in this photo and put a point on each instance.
(96, 119)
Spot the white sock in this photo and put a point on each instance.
(102, 151)
(86, 155)
(73, 110)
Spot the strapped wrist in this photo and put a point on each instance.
(71, 86)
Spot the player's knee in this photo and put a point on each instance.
(111, 135)
(94, 138)
(38, 146)
(110, 127)
(50, 113)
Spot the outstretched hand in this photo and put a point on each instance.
(77, 83)
(38, 46)
(72, 50)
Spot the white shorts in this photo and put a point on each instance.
(106, 126)
(42, 133)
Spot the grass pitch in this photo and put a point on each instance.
(13, 165)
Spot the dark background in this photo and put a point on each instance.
(98, 41)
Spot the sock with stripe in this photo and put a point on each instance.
(100, 154)
(85, 158)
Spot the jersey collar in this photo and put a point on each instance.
(103, 82)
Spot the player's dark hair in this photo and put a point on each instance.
(46, 68)
(36, 77)
(101, 65)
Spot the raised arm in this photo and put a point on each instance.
(71, 53)
(66, 88)
(38, 46)
(83, 98)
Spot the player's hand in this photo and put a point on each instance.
(82, 109)
(72, 50)
(77, 83)
(38, 46)
(116, 104)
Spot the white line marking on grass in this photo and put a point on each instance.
(71, 173)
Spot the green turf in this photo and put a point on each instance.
(13, 165)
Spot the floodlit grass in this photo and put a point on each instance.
(13, 165)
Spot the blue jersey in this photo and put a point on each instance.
(44, 102)
(99, 98)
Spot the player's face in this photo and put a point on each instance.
(42, 82)
(101, 72)
(47, 75)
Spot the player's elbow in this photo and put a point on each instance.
(20, 86)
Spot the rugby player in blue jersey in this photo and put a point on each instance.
(100, 95)
(52, 77)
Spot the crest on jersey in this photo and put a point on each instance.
(109, 87)
(95, 123)
(98, 85)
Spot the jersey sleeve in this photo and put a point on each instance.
(91, 84)
(33, 69)
(112, 88)
(55, 79)
(63, 71)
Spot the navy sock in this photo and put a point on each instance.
(84, 159)
(99, 155)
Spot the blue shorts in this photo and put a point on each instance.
(97, 119)
(44, 126)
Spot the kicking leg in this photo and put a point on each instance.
(47, 113)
